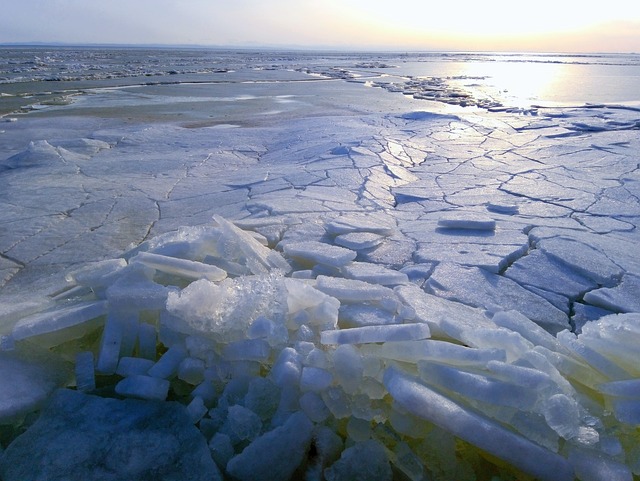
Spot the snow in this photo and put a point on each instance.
(336, 291)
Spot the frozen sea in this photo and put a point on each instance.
(427, 258)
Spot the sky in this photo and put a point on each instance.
(470, 25)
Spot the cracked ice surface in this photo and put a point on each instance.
(474, 224)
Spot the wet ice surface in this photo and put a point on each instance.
(330, 273)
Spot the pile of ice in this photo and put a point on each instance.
(297, 360)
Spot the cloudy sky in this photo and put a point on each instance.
(538, 25)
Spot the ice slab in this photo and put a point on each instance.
(372, 334)
(624, 297)
(480, 288)
(466, 221)
(374, 273)
(276, 454)
(539, 270)
(130, 439)
(474, 428)
(352, 290)
(445, 318)
(54, 327)
(312, 252)
(180, 267)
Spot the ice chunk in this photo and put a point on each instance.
(51, 328)
(85, 371)
(348, 367)
(143, 387)
(445, 318)
(169, 362)
(26, 384)
(314, 407)
(591, 465)
(476, 429)
(129, 366)
(134, 290)
(196, 409)
(622, 298)
(370, 334)
(480, 288)
(247, 350)
(528, 329)
(180, 267)
(359, 240)
(351, 290)
(366, 460)
(467, 221)
(225, 311)
(221, 449)
(308, 253)
(562, 415)
(129, 439)
(287, 369)
(360, 315)
(315, 379)
(438, 351)
(351, 223)
(112, 338)
(374, 273)
(97, 275)
(477, 386)
(585, 259)
(262, 397)
(629, 388)
(147, 340)
(242, 247)
(276, 454)
(241, 424)
(540, 270)
(191, 370)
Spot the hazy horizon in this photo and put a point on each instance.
(348, 25)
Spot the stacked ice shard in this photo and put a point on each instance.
(300, 359)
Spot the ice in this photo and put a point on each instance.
(180, 267)
(586, 260)
(466, 221)
(622, 298)
(476, 287)
(373, 273)
(241, 424)
(477, 386)
(476, 429)
(348, 367)
(352, 290)
(169, 362)
(455, 354)
(54, 327)
(591, 465)
(313, 252)
(129, 366)
(315, 379)
(85, 375)
(78, 435)
(27, 384)
(191, 370)
(366, 460)
(371, 334)
(276, 454)
(359, 240)
(143, 387)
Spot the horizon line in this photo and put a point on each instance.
(298, 48)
